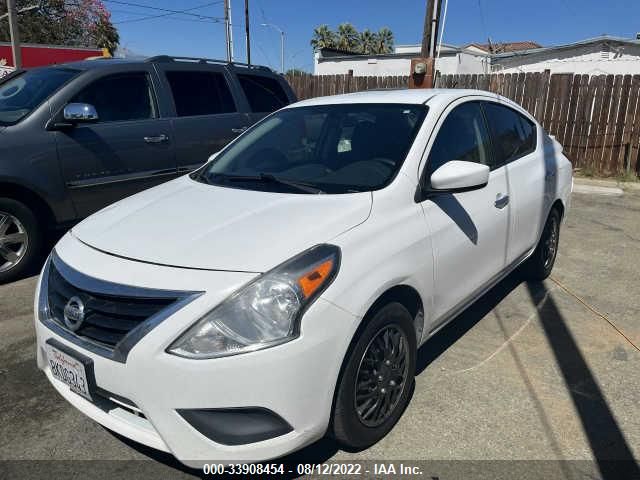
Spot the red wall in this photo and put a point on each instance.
(35, 56)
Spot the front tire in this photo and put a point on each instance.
(539, 265)
(20, 239)
(377, 379)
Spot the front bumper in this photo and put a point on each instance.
(295, 380)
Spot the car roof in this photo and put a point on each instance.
(93, 63)
(103, 62)
(403, 96)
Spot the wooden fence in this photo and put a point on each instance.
(596, 118)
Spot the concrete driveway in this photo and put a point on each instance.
(529, 377)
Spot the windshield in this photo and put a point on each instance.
(20, 94)
(320, 149)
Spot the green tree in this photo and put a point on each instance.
(384, 41)
(85, 23)
(323, 37)
(348, 38)
(367, 42)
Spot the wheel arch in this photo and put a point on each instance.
(30, 198)
(558, 205)
(405, 295)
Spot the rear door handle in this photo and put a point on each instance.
(502, 200)
(157, 139)
(239, 130)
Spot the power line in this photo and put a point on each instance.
(194, 20)
(167, 10)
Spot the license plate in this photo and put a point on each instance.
(69, 368)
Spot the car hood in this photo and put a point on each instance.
(185, 223)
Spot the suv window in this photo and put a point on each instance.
(514, 135)
(120, 97)
(200, 93)
(265, 94)
(462, 136)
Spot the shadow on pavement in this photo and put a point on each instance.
(609, 447)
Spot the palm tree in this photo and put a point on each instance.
(323, 37)
(367, 42)
(347, 37)
(384, 43)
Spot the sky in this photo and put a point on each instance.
(548, 22)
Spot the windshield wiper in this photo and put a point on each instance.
(270, 178)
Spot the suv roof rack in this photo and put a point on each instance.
(169, 58)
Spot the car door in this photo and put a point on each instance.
(515, 140)
(128, 149)
(264, 94)
(206, 116)
(468, 229)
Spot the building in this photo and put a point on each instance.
(504, 47)
(38, 55)
(452, 60)
(601, 55)
(594, 56)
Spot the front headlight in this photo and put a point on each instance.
(264, 313)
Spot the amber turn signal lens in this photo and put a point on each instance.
(312, 280)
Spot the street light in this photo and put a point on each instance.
(281, 42)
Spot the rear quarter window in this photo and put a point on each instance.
(200, 93)
(264, 94)
(514, 135)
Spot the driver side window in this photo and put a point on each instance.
(462, 136)
(120, 97)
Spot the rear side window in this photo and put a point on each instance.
(265, 94)
(121, 97)
(200, 93)
(463, 136)
(514, 135)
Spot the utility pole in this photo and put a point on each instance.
(15, 34)
(228, 30)
(422, 73)
(246, 30)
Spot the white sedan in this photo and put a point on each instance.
(279, 293)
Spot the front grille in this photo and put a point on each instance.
(107, 318)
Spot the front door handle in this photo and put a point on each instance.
(157, 139)
(239, 130)
(502, 199)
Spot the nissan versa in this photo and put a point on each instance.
(279, 293)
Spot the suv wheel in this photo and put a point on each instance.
(20, 239)
(377, 378)
(540, 264)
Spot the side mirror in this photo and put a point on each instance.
(80, 113)
(457, 176)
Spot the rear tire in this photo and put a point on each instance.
(539, 265)
(378, 370)
(21, 239)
